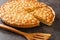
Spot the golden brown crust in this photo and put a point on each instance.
(21, 20)
(44, 13)
(14, 15)
(26, 14)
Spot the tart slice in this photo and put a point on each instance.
(44, 13)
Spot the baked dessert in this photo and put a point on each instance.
(26, 13)
(44, 13)
(12, 14)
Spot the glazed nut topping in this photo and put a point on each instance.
(26, 13)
